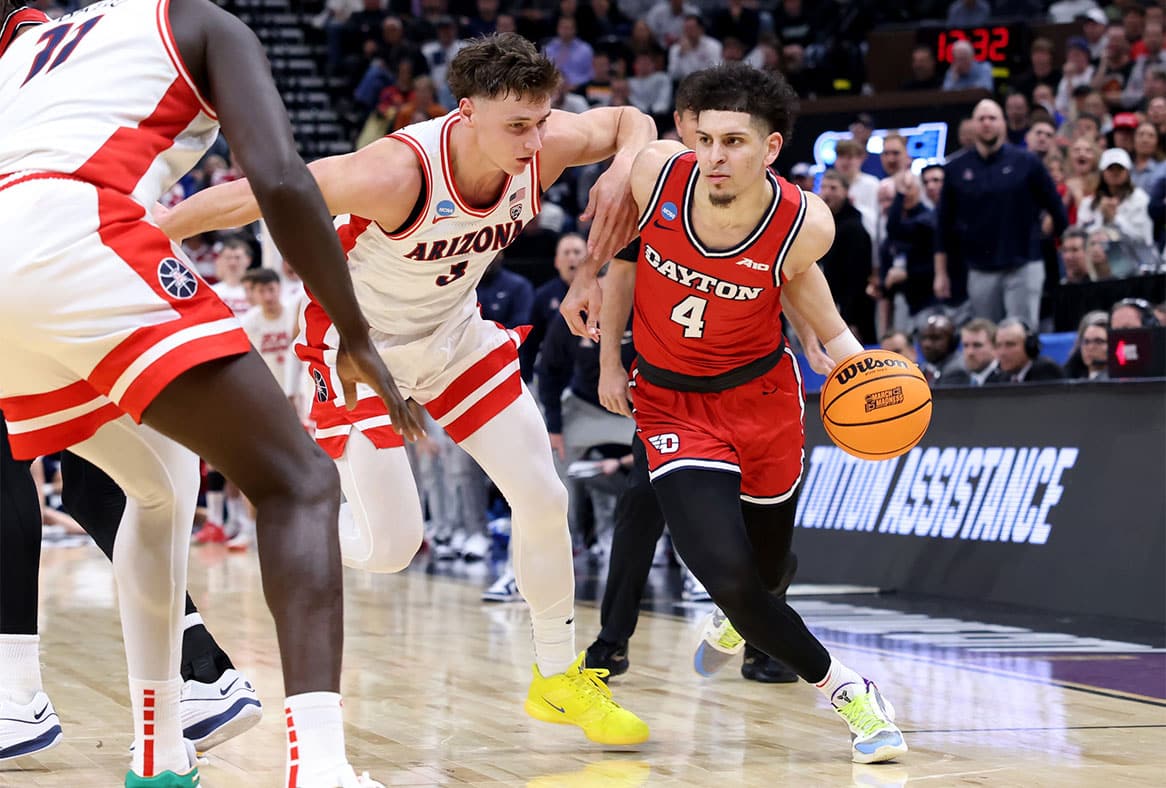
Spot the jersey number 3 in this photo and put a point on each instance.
(690, 314)
(456, 272)
(52, 39)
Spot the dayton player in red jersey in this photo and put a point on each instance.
(718, 400)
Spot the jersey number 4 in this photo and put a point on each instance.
(690, 314)
(52, 39)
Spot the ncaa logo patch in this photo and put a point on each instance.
(668, 443)
(668, 211)
(445, 210)
(322, 392)
(177, 279)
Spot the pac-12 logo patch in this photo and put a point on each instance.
(322, 392)
(515, 211)
(668, 443)
(177, 279)
(668, 211)
(445, 210)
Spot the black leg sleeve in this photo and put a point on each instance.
(20, 535)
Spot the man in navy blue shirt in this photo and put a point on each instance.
(989, 214)
(506, 297)
(569, 253)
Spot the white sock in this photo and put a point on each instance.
(191, 620)
(214, 507)
(19, 667)
(554, 642)
(157, 727)
(315, 740)
(837, 677)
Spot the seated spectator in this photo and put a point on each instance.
(937, 344)
(1156, 114)
(1134, 95)
(1016, 112)
(1118, 205)
(643, 39)
(1086, 126)
(1043, 102)
(1114, 69)
(666, 20)
(1093, 105)
(1018, 356)
(610, 21)
(598, 90)
(899, 342)
(1040, 137)
(796, 24)
(1089, 356)
(1149, 162)
(924, 74)
(422, 105)
(968, 13)
(1074, 257)
(965, 72)
(1131, 313)
(1124, 126)
(802, 176)
(736, 21)
(439, 53)
(571, 55)
(1097, 251)
(693, 51)
(1077, 72)
(484, 22)
(649, 87)
(1041, 71)
(978, 347)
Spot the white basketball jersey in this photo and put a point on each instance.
(410, 282)
(273, 340)
(102, 94)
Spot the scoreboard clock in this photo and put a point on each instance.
(1003, 46)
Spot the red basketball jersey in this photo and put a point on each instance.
(702, 312)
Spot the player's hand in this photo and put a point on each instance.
(817, 358)
(558, 445)
(612, 211)
(613, 390)
(358, 362)
(942, 286)
(580, 307)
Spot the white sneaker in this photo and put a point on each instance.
(719, 643)
(441, 543)
(694, 590)
(476, 548)
(505, 589)
(347, 778)
(457, 541)
(213, 713)
(874, 737)
(28, 728)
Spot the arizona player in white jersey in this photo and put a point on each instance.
(422, 213)
(104, 324)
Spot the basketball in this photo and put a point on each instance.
(876, 405)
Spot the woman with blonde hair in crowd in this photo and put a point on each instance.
(1084, 175)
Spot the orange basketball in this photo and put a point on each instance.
(876, 405)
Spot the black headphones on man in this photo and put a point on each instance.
(1149, 320)
(1031, 339)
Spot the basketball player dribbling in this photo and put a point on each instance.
(718, 399)
(422, 213)
(104, 325)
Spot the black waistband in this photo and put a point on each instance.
(666, 378)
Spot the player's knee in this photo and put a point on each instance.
(315, 480)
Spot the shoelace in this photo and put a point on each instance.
(730, 638)
(861, 715)
(590, 680)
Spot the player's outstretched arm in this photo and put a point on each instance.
(805, 287)
(618, 290)
(227, 61)
(617, 133)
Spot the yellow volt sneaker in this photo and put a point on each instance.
(579, 696)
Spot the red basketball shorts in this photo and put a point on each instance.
(756, 429)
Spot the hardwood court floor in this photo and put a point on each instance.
(434, 682)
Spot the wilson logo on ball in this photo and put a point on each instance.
(866, 365)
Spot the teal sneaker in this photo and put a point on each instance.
(166, 779)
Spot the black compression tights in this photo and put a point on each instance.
(741, 553)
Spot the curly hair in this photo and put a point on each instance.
(501, 65)
(736, 87)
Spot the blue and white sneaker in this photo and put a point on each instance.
(26, 729)
(719, 643)
(213, 713)
(874, 738)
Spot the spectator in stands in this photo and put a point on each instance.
(1096, 250)
(1074, 258)
(422, 105)
(909, 267)
(649, 87)
(439, 53)
(796, 25)
(802, 176)
(1160, 313)
(863, 188)
(567, 101)
(989, 211)
(1090, 353)
(1044, 106)
(505, 297)
(860, 129)
(1118, 205)
(1040, 137)
(1093, 107)
(643, 39)
(1157, 212)
(847, 266)
(1018, 356)
(571, 55)
(1041, 71)
(1131, 313)
(334, 21)
(965, 72)
(932, 176)
(1149, 162)
(1134, 95)
(978, 346)
(484, 22)
(569, 253)
(1114, 69)
(598, 90)
(610, 21)
(924, 74)
(1122, 136)
(894, 157)
(234, 258)
(737, 21)
(1084, 174)
(938, 346)
(1133, 23)
(200, 250)
(1094, 23)
(394, 47)
(899, 342)
(1016, 112)
(1156, 114)
(666, 21)
(693, 51)
(1077, 71)
(968, 13)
